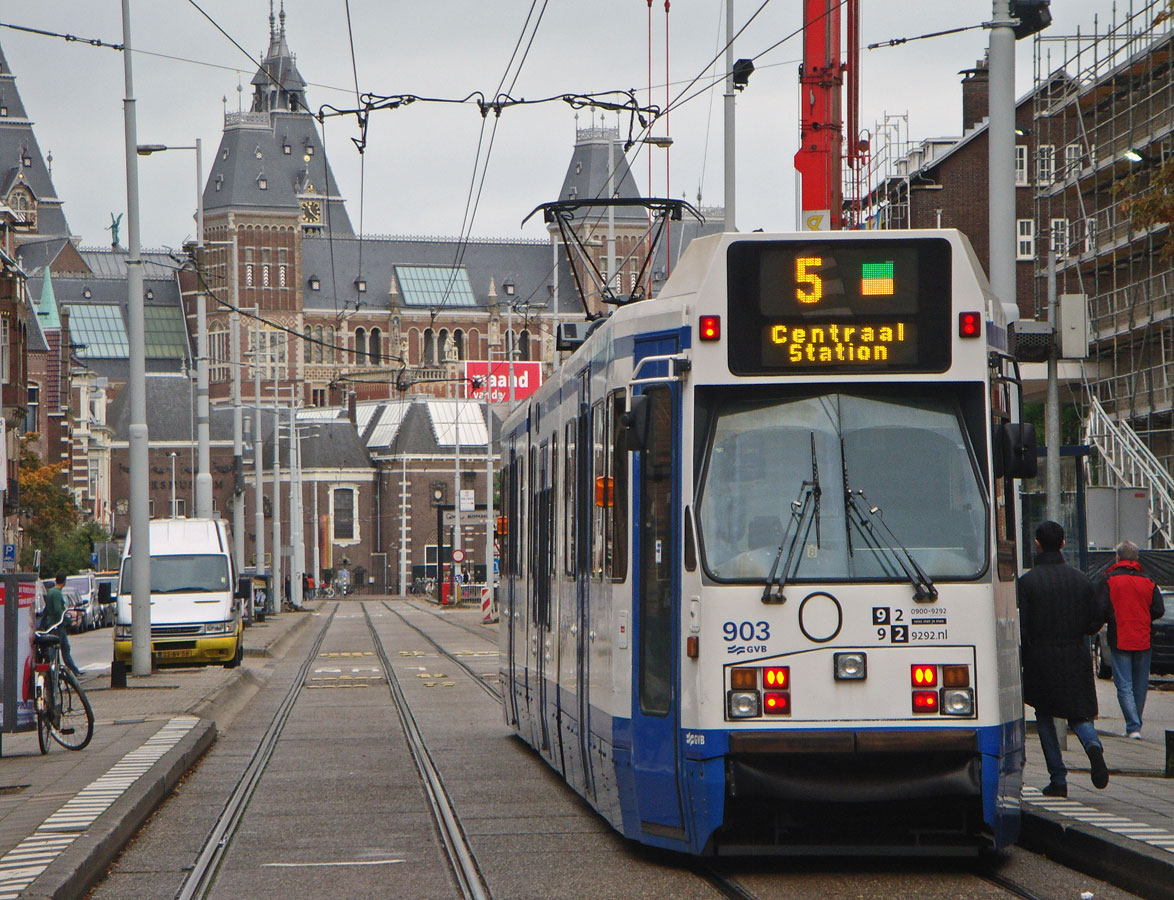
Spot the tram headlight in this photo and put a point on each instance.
(850, 666)
(957, 702)
(742, 704)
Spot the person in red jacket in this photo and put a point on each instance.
(1134, 602)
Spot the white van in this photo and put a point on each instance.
(195, 617)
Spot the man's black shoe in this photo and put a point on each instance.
(1100, 772)
(1055, 790)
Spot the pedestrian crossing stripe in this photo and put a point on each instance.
(25, 862)
(1073, 809)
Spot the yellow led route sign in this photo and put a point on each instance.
(839, 306)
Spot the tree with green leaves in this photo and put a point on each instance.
(51, 519)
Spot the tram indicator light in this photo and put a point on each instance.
(776, 703)
(969, 324)
(925, 701)
(709, 328)
(743, 678)
(924, 676)
(777, 677)
(955, 676)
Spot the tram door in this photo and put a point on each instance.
(542, 497)
(655, 712)
(583, 499)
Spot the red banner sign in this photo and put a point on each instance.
(526, 378)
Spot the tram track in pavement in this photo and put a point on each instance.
(479, 631)
(456, 846)
(203, 872)
(476, 676)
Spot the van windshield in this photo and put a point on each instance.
(193, 574)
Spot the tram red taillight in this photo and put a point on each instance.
(709, 328)
(925, 701)
(776, 703)
(969, 324)
(924, 676)
(777, 677)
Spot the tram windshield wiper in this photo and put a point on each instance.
(866, 516)
(857, 508)
(806, 501)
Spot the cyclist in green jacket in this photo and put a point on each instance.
(54, 612)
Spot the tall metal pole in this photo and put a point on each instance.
(258, 467)
(489, 522)
(403, 527)
(140, 472)
(203, 433)
(297, 559)
(317, 571)
(238, 472)
(278, 591)
(456, 507)
(1052, 404)
(1001, 159)
(729, 110)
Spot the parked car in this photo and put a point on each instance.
(1162, 660)
(109, 609)
(87, 586)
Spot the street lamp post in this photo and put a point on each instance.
(173, 455)
(140, 485)
(203, 438)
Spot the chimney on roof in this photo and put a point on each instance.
(976, 85)
(352, 408)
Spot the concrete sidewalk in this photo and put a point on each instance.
(66, 815)
(1123, 834)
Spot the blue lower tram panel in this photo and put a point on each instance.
(864, 791)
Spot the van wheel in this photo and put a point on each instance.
(240, 655)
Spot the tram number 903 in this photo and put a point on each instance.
(746, 631)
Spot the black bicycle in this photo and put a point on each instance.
(63, 710)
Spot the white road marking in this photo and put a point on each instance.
(310, 865)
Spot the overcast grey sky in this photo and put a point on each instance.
(419, 162)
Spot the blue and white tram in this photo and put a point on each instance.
(758, 571)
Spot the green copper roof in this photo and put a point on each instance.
(47, 305)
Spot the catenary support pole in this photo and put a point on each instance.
(140, 472)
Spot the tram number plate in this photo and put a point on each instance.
(889, 625)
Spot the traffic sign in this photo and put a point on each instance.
(9, 553)
(469, 517)
(458, 555)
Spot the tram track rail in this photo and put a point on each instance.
(202, 875)
(460, 855)
(477, 677)
(479, 631)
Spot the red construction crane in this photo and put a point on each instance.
(819, 160)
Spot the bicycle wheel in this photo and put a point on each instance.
(75, 724)
(43, 732)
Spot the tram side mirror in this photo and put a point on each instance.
(635, 422)
(1014, 446)
(104, 595)
(244, 587)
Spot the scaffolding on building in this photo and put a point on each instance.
(1103, 111)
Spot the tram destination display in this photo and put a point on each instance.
(839, 306)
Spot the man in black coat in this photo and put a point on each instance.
(1058, 609)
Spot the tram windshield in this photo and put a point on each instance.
(904, 458)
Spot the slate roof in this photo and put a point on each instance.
(171, 414)
(17, 142)
(335, 264)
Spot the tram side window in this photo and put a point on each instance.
(532, 514)
(599, 476)
(618, 491)
(569, 502)
(657, 558)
